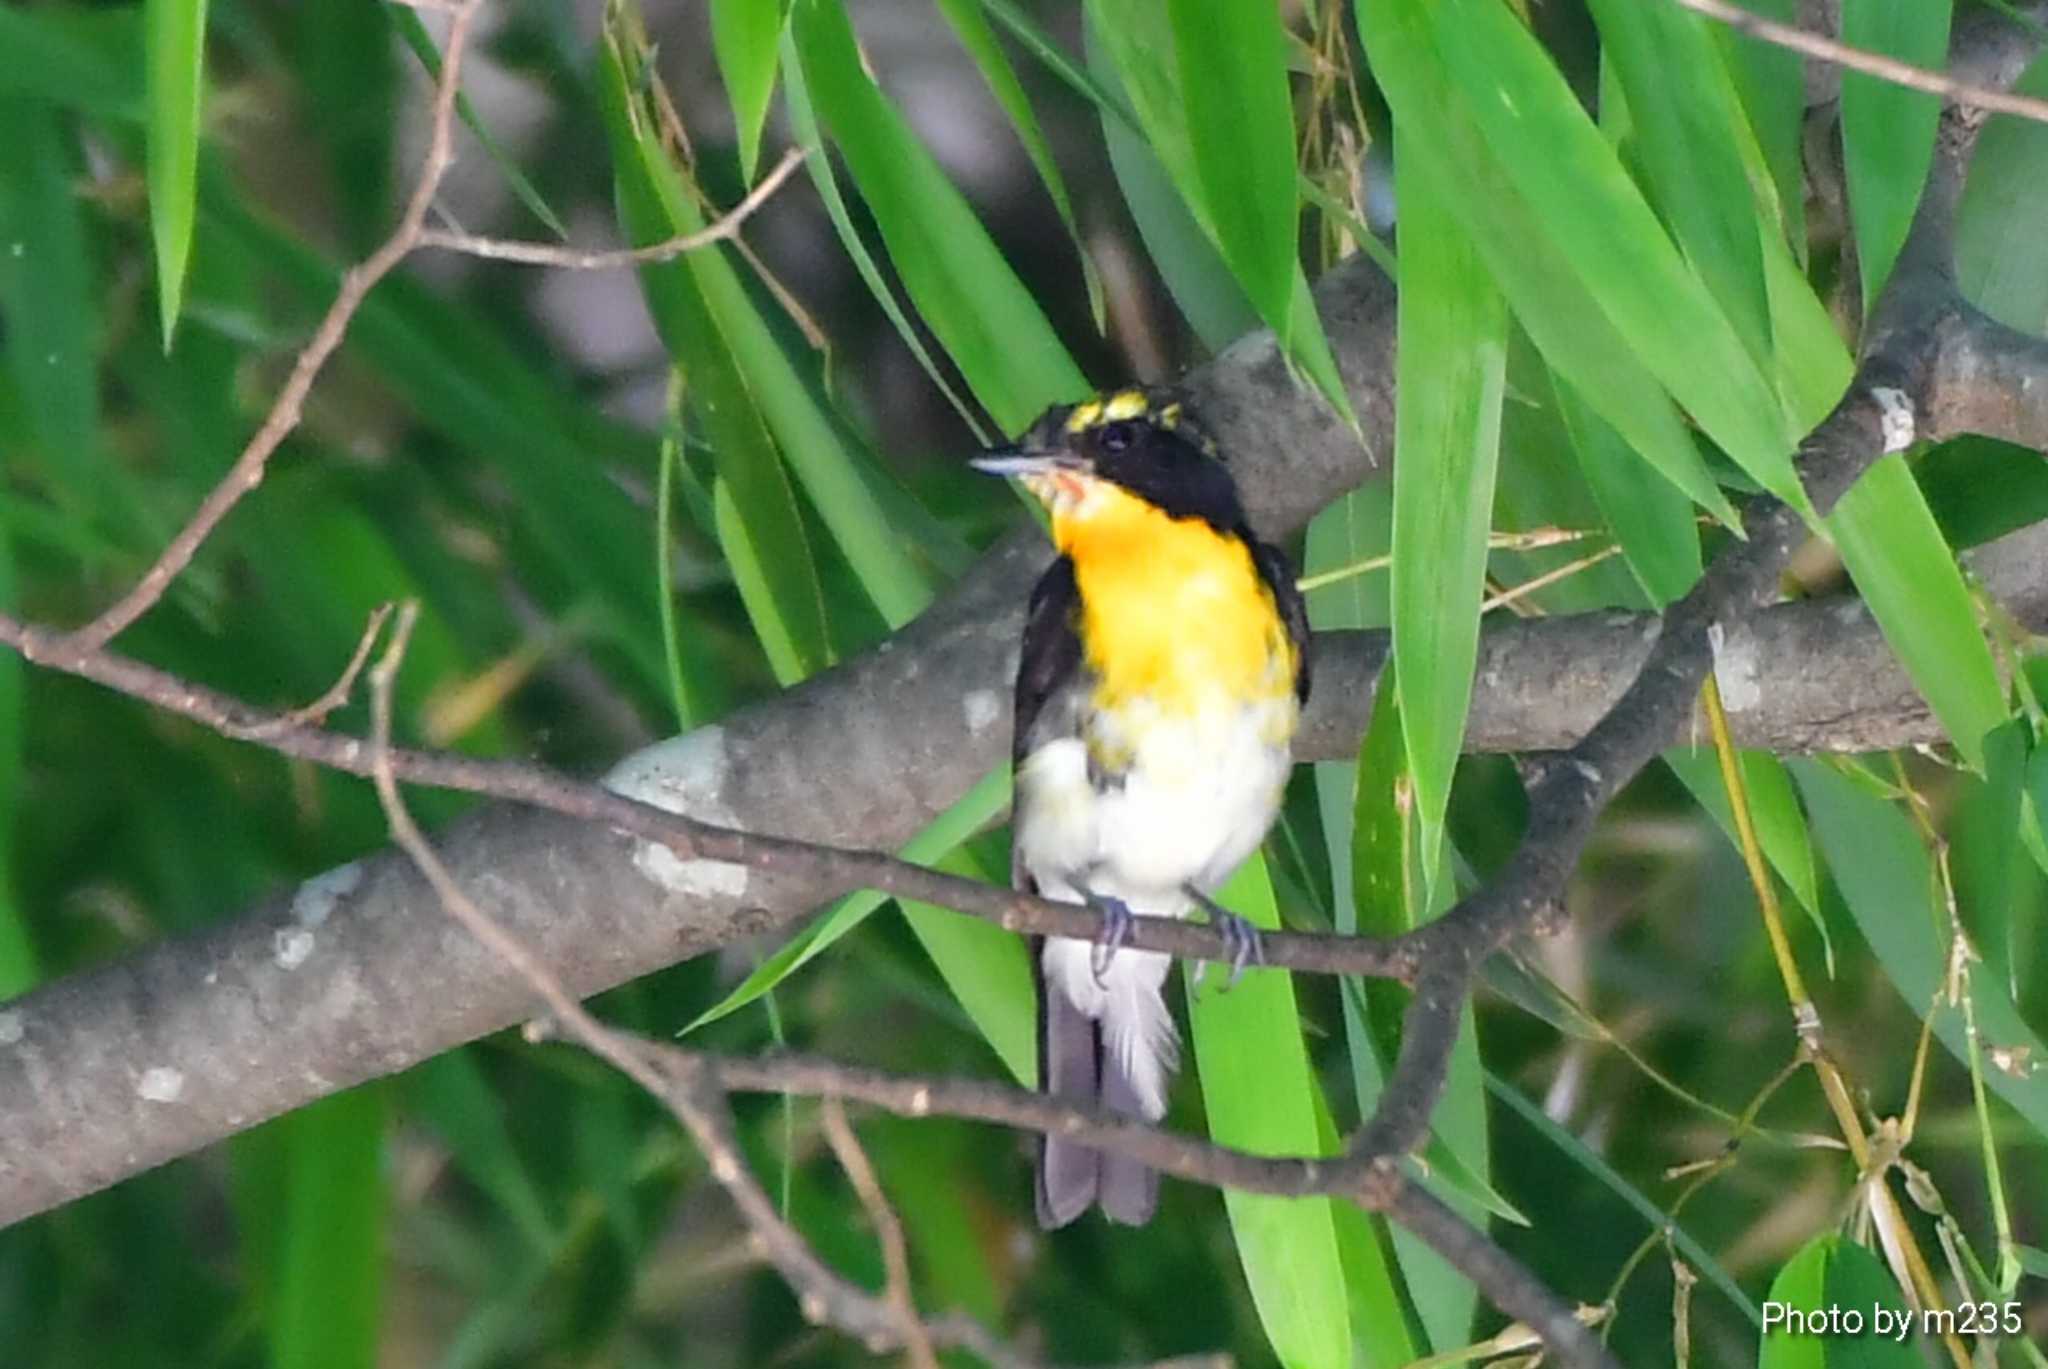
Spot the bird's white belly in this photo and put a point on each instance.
(1196, 798)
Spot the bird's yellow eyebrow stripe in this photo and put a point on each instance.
(1125, 404)
(1112, 409)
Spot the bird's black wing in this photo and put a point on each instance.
(1047, 664)
(1278, 574)
(1052, 649)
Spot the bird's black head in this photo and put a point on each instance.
(1142, 440)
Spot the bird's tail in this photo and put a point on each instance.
(1119, 1059)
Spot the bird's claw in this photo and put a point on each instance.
(1118, 922)
(1240, 938)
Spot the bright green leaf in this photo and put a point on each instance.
(1557, 310)
(971, 26)
(981, 313)
(1258, 1091)
(1450, 365)
(1589, 209)
(745, 37)
(177, 79)
(1232, 62)
(1888, 130)
(2001, 252)
(1908, 576)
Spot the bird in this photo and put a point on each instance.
(1164, 664)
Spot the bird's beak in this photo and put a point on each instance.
(1058, 478)
(1028, 461)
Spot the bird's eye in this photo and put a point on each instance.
(1117, 437)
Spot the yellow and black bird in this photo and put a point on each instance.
(1164, 664)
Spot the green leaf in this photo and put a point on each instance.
(1557, 310)
(1688, 126)
(804, 124)
(1450, 365)
(827, 467)
(1888, 130)
(971, 26)
(1258, 1091)
(2001, 254)
(746, 36)
(1770, 81)
(975, 810)
(1588, 208)
(964, 289)
(795, 642)
(1386, 898)
(987, 968)
(1140, 39)
(1651, 517)
(1979, 489)
(1887, 882)
(326, 1299)
(1207, 294)
(1233, 78)
(1774, 811)
(177, 79)
(753, 507)
(1908, 576)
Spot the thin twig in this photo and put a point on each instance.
(724, 227)
(247, 472)
(888, 1231)
(317, 712)
(1826, 49)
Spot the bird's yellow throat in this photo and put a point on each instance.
(1171, 609)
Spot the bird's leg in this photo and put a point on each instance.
(1118, 922)
(1240, 937)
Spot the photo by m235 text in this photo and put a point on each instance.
(1971, 1319)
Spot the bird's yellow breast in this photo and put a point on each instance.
(1172, 611)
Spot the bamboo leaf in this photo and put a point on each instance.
(1450, 366)
(1651, 517)
(971, 26)
(981, 313)
(327, 1296)
(827, 467)
(987, 968)
(1888, 130)
(1232, 61)
(1258, 1091)
(1549, 300)
(1689, 126)
(1908, 576)
(176, 32)
(746, 37)
(1587, 207)
(2001, 255)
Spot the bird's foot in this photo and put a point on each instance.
(1240, 938)
(1118, 922)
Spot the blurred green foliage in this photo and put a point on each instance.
(631, 503)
